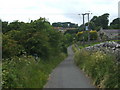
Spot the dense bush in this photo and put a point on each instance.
(84, 35)
(93, 35)
(30, 52)
(101, 67)
(26, 72)
(36, 37)
(10, 47)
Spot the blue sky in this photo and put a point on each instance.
(56, 10)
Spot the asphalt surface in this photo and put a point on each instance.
(68, 75)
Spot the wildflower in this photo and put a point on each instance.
(93, 31)
(79, 33)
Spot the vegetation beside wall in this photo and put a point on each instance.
(101, 67)
(85, 35)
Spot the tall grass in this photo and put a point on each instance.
(25, 72)
(101, 67)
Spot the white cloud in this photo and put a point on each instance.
(55, 10)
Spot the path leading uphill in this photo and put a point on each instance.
(67, 75)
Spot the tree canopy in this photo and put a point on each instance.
(97, 22)
(65, 25)
(100, 21)
(115, 24)
(37, 37)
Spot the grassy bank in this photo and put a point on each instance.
(25, 72)
(83, 45)
(101, 67)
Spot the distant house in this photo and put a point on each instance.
(61, 29)
(109, 33)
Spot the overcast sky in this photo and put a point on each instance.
(56, 10)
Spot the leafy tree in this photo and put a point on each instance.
(10, 47)
(38, 44)
(69, 38)
(115, 24)
(81, 28)
(5, 27)
(65, 25)
(14, 25)
(0, 25)
(36, 37)
(100, 21)
(104, 20)
(92, 26)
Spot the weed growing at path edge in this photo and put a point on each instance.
(101, 67)
(25, 72)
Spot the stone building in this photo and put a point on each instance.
(109, 34)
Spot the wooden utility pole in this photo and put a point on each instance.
(88, 26)
(83, 24)
(84, 21)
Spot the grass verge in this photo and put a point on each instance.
(25, 72)
(101, 67)
(94, 43)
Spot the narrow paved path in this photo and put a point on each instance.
(67, 75)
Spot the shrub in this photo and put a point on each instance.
(98, 66)
(10, 47)
(25, 72)
(93, 35)
(85, 34)
(38, 39)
